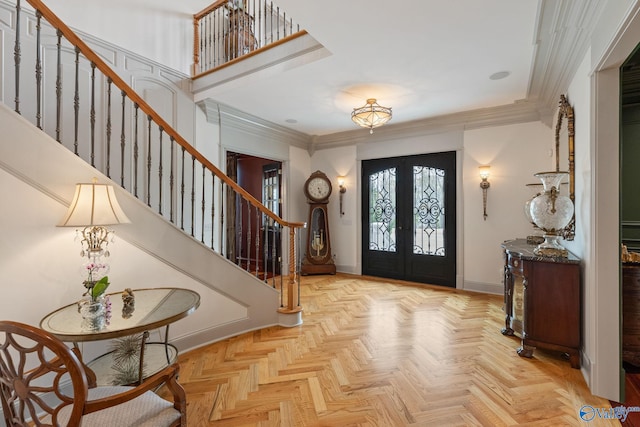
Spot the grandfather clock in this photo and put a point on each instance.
(318, 258)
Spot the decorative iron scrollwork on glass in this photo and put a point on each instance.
(382, 211)
(428, 211)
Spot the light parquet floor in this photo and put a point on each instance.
(383, 353)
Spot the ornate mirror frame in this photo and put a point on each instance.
(565, 111)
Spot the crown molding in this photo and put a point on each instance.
(230, 117)
(562, 39)
(519, 112)
(211, 110)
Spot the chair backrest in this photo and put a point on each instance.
(39, 375)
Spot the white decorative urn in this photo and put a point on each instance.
(551, 212)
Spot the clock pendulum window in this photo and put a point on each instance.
(318, 259)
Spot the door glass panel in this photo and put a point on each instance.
(271, 189)
(382, 210)
(428, 211)
(318, 234)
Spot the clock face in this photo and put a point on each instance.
(318, 188)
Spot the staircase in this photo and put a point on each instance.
(78, 119)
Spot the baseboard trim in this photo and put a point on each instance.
(485, 288)
(585, 368)
(229, 330)
(347, 269)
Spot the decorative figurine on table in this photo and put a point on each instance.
(128, 303)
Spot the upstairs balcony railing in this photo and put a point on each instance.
(230, 29)
(85, 106)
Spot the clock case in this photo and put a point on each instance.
(318, 259)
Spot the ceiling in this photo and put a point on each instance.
(424, 58)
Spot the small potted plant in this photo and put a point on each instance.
(97, 289)
(95, 308)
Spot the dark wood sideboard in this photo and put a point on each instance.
(542, 300)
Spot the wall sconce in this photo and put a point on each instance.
(343, 190)
(484, 184)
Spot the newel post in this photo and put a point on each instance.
(293, 284)
(196, 43)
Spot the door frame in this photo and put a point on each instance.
(459, 204)
(403, 262)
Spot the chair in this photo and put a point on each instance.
(43, 382)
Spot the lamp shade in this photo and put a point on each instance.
(484, 171)
(94, 204)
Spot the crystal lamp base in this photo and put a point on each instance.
(551, 247)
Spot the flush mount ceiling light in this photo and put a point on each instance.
(371, 115)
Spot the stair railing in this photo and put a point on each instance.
(230, 29)
(148, 146)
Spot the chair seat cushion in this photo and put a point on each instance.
(147, 410)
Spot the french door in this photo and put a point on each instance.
(409, 221)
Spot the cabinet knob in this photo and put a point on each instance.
(515, 262)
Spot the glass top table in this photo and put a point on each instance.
(153, 309)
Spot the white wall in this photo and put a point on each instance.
(515, 153)
(142, 27)
(298, 169)
(579, 96)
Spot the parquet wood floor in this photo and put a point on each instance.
(382, 353)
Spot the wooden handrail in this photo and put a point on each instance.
(204, 12)
(53, 19)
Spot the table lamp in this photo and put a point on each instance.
(94, 206)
